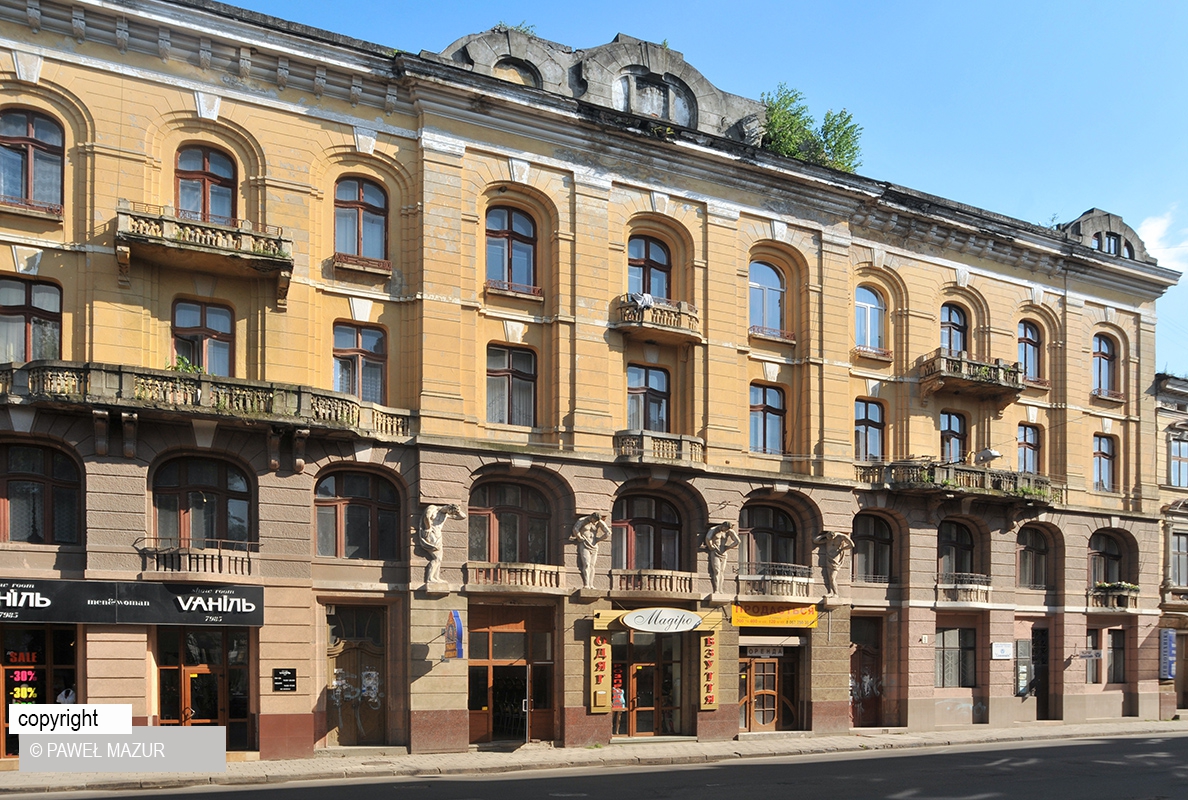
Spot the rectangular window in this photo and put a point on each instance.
(1029, 449)
(1179, 559)
(203, 336)
(868, 430)
(360, 362)
(511, 386)
(1093, 665)
(1103, 463)
(1178, 453)
(955, 657)
(1116, 661)
(647, 399)
(767, 419)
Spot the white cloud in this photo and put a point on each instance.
(1168, 245)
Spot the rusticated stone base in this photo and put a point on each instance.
(582, 729)
(717, 726)
(446, 731)
(831, 716)
(286, 736)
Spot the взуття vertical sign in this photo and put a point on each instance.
(113, 603)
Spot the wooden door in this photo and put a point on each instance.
(866, 686)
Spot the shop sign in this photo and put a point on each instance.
(709, 671)
(453, 636)
(773, 615)
(115, 603)
(765, 652)
(600, 686)
(1089, 655)
(661, 620)
(1167, 654)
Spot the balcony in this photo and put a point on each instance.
(775, 581)
(651, 583)
(954, 372)
(925, 477)
(1120, 596)
(656, 319)
(218, 245)
(210, 557)
(771, 334)
(141, 389)
(962, 587)
(651, 447)
(514, 578)
(349, 263)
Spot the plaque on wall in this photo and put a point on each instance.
(284, 679)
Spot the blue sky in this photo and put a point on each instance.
(1030, 109)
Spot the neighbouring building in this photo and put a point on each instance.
(359, 397)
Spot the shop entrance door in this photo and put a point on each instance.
(509, 702)
(648, 666)
(202, 677)
(355, 694)
(510, 673)
(1039, 665)
(758, 694)
(202, 702)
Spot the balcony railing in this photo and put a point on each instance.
(962, 587)
(652, 446)
(774, 580)
(28, 204)
(354, 263)
(501, 575)
(954, 371)
(927, 476)
(877, 353)
(139, 387)
(210, 556)
(1109, 394)
(772, 333)
(514, 288)
(1112, 597)
(657, 318)
(658, 581)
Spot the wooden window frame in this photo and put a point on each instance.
(360, 355)
(222, 492)
(206, 178)
(378, 550)
(512, 237)
(864, 426)
(201, 335)
(623, 525)
(523, 512)
(50, 482)
(29, 145)
(648, 265)
(30, 312)
(954, 323)
(768, 415)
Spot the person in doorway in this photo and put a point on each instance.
(618, 703)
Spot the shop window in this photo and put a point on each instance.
(1178, 462)
(956, 657)
(205, 186)
(30, 321)
(1029, 350)
(511, 386)
(203, 503)
(511, 251)
(767, 419)
(1032, 549)
(868, 430)
(647, 399)
(955, 551)
(39, 666)
(1105, 559)
(203, 338)
(42, 496)
(508, 523)
(31, 158)
(646, 534)
(869, 319)
(649, 268)
(767, 300)
(952, 437)
(769, 542)
(954, 328)
(204, 678)
(358, 516)
(1103, 463)
(360, 219)
(872, 549)
(1179, 559)
(360, 362)
(1028, 440)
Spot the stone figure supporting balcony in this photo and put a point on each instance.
(514, 577)
(1119, 596)
(209, 556)
(926, 477)
(765, 579)
(656, 319)
(218, 245)
(955, 372)
(962, 587)
(650, 447)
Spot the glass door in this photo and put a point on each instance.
(757, 693)
(202, 679)
(648, 666)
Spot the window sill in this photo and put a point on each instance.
(362, 562)
(1108, 396)
(353, 263)
(1041, 384)
(49, 213)
(502, 289)
(872, 354)
(42, 547)
(771, 335)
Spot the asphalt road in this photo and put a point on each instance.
(1137, 768)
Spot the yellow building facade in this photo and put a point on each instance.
(513, 392)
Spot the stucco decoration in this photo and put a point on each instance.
(1096, 222)
(719, 540)
(428, 536)
(589, 531)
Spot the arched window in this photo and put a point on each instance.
(868, 430)
(1105, 366)
(953, 437)
(360, 219)
(202, 502)
(511, 251)
(1105, 559)
(30, 321)
(1029, 350)
(1095, 242)
(508, 523)
(1029, 449)
(767, 419)
(1032, 548)
(649, 268)
(31, 148)
(204, 337)
(954, 328)
(205, 185)
(955, 550)
(869, 318)
(769, 540)
(1127, 250)
(42, 496)
(358, 516)
(767, 300)
(646, 534)
(872, 549)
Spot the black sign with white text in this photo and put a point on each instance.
(114, 603)
(284, 679)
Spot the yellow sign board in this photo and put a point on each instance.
(773, 615)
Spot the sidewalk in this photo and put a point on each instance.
(377, 763)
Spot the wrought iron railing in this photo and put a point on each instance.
(963, 579)
(31, 205)
(213, 556)
(1109, 394)
(768, 569)
(772, 333)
